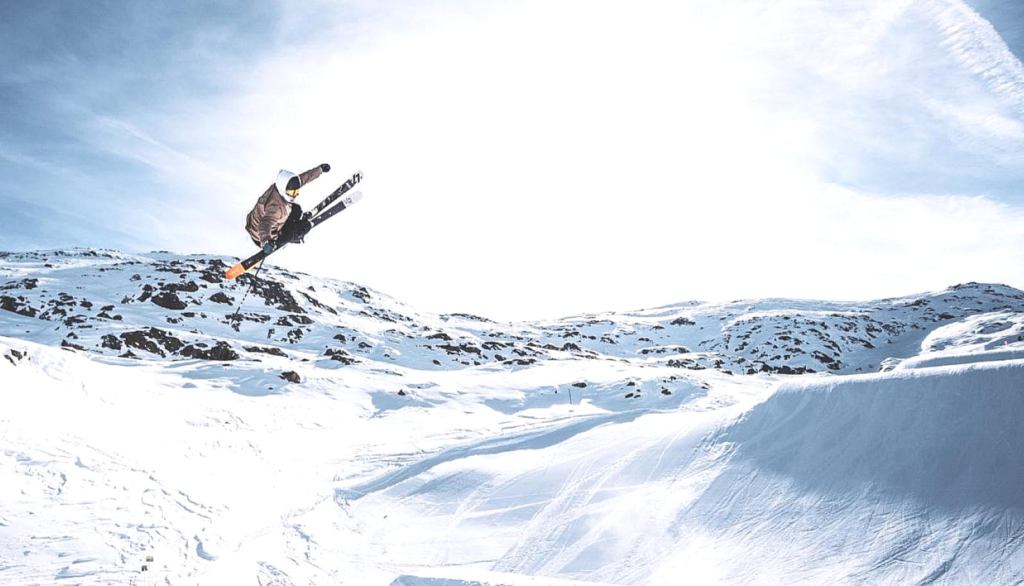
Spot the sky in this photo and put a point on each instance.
(533, 159)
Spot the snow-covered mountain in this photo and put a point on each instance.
(331, 434)
(176, 307)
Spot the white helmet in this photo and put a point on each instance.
(286, 181)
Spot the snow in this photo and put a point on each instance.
(907, 477)
(457, 451)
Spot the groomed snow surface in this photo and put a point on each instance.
(226, 474)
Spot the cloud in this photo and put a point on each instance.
(976, 45)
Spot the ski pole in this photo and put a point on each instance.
(235, 318)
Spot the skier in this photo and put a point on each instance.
(277, 219)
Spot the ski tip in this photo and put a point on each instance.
(234, 271)
(353, 197)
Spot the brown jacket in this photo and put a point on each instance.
(265, 220)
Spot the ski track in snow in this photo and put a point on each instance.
(444, 450)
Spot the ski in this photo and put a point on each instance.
(245, 265)
(249, 263)
(345, 202)
(334, 195)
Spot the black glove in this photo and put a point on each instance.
(269, 247)
(325, 168)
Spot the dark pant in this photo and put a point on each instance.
(294, 227)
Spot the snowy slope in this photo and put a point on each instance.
(336, 435)
(907, 478)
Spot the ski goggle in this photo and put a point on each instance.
(292, 192)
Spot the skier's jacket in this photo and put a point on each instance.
(265, 221)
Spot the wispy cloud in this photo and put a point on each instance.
(976, 45)
(125, 140)
(23, 160)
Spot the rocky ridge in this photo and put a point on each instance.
(180, 307)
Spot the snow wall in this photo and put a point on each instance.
(913, 477)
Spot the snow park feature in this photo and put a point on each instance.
(340, 436)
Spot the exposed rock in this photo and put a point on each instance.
(291, 376)
(169, 301)
(686, 363)
(452, 349)
(59, 307)
(291, 320)
(75, 320)
(19, 306)
(221, 297)
(787, 369)
(273, 293)
(240, 317)
(361, 294)
(173, 267)
(341, 356)
(66, 344)
(468, 316)
(27, 284)
(187, 287)
(152, 340)
(316, 303)
(214, 271)
(827, 360)
(221, 351)
(112, 342)
(267, 350)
